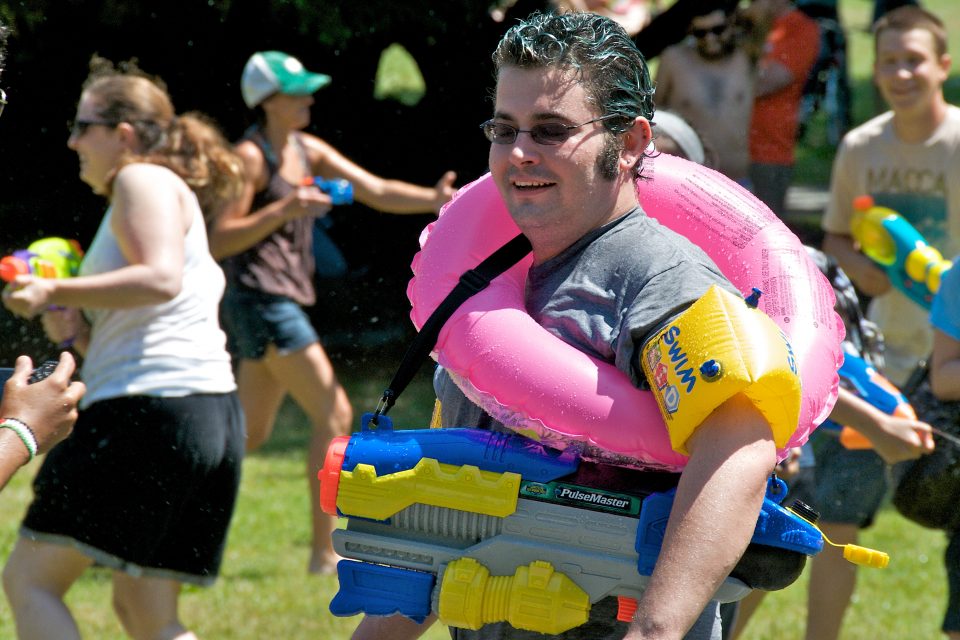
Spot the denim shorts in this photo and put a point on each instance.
(253, 320)
(850, 484)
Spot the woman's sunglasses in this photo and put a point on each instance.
(79, 127)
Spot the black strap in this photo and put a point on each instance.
(471, 282)
(917, 376)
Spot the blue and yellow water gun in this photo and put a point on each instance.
(913, 266)
(481, 527)
(862, 379)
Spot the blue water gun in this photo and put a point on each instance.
(339, 189)
(913, 266)
(481, 527)
(859, 377)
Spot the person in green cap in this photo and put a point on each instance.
(265, 242)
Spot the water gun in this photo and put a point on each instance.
(913, 266)
(46, 258)
(339, 189)
(858, 376)
(481, 527)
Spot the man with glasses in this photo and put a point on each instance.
(569, 136)
(708, 81)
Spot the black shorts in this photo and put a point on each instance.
(145, 485)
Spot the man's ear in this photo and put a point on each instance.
(636, 139)
(945, 63)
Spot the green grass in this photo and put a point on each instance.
(265, 592)
(905, 601)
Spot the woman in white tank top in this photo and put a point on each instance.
(146, 483)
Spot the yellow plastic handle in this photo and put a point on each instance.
(866, 557)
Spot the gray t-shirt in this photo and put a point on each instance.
(606, 295)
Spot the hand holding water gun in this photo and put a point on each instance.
(45, 258)
(339, 189)
(913, 266)
(863, 381)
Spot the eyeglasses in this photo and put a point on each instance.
(550, 133)
(79, 127)
(3, 100)
(717, 30)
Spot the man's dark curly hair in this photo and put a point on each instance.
(610, 65)
(607, 61)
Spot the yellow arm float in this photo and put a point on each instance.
(719, 347)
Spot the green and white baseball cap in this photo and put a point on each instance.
(270, 72)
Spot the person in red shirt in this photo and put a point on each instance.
(789, 52)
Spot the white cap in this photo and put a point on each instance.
(680, 132)
(270, 72)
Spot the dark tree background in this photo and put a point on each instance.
(199, 48)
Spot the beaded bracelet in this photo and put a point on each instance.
(24, 432)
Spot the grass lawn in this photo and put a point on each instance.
(265, 592)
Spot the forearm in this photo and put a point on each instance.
(771, 77)
(861, 269)
(843, 249)
(234, 234)
(13, 455)
(857, 413)
(945, 379)
(80, 341)
(894, 438)
(395, 196)
(713, 518)
(132, 286)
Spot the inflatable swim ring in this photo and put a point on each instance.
(537, 384)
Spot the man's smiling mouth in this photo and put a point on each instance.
(528, 184)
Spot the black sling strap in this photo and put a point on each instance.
(471, 282)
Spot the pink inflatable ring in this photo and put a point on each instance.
(537, 384)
